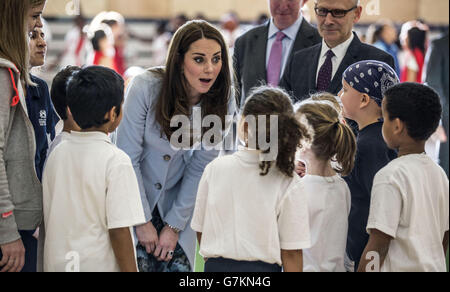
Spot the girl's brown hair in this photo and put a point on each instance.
(268, 101)
(331, 137)
(174, 99)
(14, 33)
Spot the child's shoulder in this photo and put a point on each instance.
(292, 184)
(409, 166)
(372, 133)
(117, 155)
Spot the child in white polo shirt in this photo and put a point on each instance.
(409, 210)
(251, 213)
(330, 154)
(91, 194)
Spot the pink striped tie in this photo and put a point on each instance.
(274, 66)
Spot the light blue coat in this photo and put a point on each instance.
(167, 178)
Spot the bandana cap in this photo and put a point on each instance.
(372, 78)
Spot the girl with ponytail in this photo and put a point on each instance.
(329, 154)
(251, 214)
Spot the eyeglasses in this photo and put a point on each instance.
(337, 13)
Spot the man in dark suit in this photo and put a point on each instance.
(261, 54)
(437, 78)
(320, 67)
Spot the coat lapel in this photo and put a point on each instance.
(314, 61)
(350, 58)
(258, 56)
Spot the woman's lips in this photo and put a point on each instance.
(205, 81)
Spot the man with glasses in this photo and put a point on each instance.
(261, 54)
(320, 68)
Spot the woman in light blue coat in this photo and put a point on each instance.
(197, 75)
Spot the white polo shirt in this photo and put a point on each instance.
(248, 217)
(89, 188)
(329, 203)
(410, 203)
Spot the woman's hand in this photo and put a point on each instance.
(147, 236)
(168, 239)
(36, 234)
(13, 257)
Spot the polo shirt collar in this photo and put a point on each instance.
(247, 155)
(89, 136)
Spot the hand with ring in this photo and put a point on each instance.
(167, 243)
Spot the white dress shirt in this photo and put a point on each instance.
(339, 54)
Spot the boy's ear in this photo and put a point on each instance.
(399, 126)
(111, 115)
(364, 101)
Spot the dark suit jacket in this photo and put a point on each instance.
(437, 77)
(250, 55)
(438, 69)
(299, 77)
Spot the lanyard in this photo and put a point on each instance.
(15, 99)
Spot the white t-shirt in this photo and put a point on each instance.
(248, 217)
(410, 202)
(89, 188)
(329, 205)
(58, 139)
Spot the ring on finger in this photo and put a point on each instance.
(170, 253)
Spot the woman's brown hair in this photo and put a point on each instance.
(14, 33)
(331, 137)
(174, 99)
(267, 101)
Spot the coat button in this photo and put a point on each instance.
(167, 157)
(158, 186)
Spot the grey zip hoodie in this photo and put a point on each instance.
(20, 189)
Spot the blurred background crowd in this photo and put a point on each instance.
(129, 44)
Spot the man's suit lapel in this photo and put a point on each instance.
(313, 60)
(350, 58)
(258, 56)
(304, 38)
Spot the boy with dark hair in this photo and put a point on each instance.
(409, 212)
(91, 194)
(59, 97)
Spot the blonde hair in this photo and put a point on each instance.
(331, 137)
(13, 33)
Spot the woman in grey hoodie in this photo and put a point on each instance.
(20, 189)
